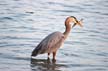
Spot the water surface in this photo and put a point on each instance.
(24, 23)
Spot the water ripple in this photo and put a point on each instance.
(24, 23)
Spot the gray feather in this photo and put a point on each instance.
(49, 44)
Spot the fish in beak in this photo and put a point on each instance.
(78, 23)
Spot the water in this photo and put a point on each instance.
(24, 23)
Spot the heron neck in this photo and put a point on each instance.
(68, 29)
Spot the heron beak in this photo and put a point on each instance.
(78, 23)
(73, 25)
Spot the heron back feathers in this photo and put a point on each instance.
(49, 44)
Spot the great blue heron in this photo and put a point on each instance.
(52, 42)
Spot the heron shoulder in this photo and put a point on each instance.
(52, 37)
(58, 33)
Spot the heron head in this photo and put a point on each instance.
(76, 22)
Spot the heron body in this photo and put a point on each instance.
(52, 42)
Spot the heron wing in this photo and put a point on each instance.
(53, 40)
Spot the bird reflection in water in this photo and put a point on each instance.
(44, 65)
